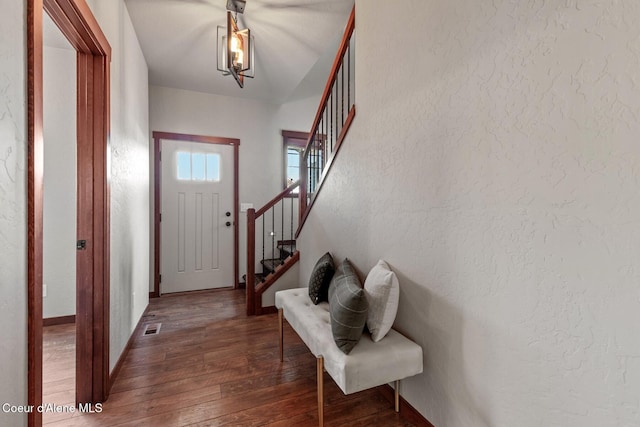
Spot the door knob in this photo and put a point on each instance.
(228, 224)
(227, 214)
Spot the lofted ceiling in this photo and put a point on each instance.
(295, 43)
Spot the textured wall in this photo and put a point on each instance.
(129, 174)
(59, 210)
(13, 217)
(496, 167)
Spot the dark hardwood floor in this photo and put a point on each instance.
(211, 365)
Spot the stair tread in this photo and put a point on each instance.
(271, 264)
(283, 265)
(287, 248)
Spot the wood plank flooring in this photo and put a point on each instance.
(210, 365)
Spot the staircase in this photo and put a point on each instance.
(286, 249)
(270, 239)
(271, 266)
(332, 122)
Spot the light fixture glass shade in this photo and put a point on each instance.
(235, 51)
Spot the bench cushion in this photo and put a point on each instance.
(368, 365)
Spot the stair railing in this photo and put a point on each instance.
(271, 226)
(333, 119)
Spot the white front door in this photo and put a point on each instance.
(196, 243)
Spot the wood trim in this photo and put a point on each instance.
(157, 186)
(80, 27)
(408, 411)
(77, 23)
(61, 320)
(35, 168)
(136, 333)
(195, 138)
(157, 137)
(341, 137)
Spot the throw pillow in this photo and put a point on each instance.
(383, 293)
(348, 307)
(321, 278)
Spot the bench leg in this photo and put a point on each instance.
(320, 381)
(397, 395)
(280, 321)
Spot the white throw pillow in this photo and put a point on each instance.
(383, 293)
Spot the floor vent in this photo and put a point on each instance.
(152, 329)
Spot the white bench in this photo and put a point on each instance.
(369, 364)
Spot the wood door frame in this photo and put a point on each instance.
(77, 23)
(157, 173)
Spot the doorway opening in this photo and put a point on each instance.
(59, 220)
(79, 26)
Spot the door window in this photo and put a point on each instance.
(198, 166)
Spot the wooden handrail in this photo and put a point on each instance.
(271, 203)
(320, 142)
(344, 44)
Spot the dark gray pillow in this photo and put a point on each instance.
(321, 278)
(348, 307)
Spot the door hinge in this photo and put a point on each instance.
(160, 219)
(160, 278)
(160, 155)
(81, 245)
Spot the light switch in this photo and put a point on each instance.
(245, 206)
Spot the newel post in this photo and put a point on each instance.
(251, 261)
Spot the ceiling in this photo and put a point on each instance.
(295, 44)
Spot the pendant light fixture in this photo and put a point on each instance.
(235, 47)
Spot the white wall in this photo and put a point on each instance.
(59, 211)
(13, 273)
(496, 170)
(298, 115)
(129, 174)
(257, 124)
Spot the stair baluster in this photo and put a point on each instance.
(273, 264)
(331, 124)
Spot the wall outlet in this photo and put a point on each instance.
(245, 206)
(44, 291)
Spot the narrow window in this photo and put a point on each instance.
(293, 144)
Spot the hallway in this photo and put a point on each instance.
(211, 365)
